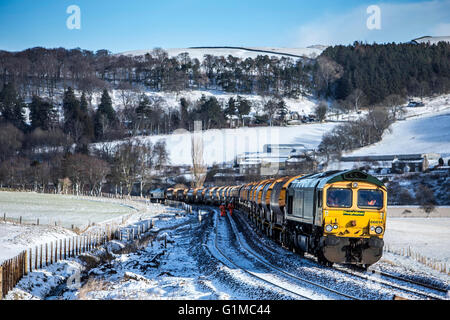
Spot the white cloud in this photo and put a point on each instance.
(400, 22)
(442, 29)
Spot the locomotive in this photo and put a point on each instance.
(337, 216)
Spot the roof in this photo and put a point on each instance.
(416, 156)
(321, 179)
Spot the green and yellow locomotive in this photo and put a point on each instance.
(337, 216)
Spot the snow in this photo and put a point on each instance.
(223, 145)
(425, 130)
(427, 236)
(181, 262)
(199, 53)
(67, 210)
(304, 105)
(16, 238)
(63, 209)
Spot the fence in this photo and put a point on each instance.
(78, 228)
(12, 270)
(429, 262)
(179, 205)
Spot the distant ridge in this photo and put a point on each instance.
(306, 54)
(255, 50)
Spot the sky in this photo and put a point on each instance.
(118, 25)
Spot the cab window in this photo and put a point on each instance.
(339, 197)
(370, 199)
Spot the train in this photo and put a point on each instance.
(337, 216)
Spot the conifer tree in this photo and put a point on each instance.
(42, 113)
(12, 107)
(105, 116)
(72, 112)
(105, 107)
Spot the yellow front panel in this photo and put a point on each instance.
(354, 222)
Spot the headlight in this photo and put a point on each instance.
(378, 230)
(328, 228)
(335, 226)
(372, 228)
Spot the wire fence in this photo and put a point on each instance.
(179, 205)
(32, 259)
(429, 262)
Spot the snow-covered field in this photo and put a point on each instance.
(64, 210)
(225, 144)
(68, 210)
(16, 238)
(429, 237)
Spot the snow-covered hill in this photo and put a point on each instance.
(239, 52)
(425, 130)
(425, 133)
(225, 144)
(302, 105)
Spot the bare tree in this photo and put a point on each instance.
(11, 140)
(198, 166)
(357, 99)
(161, 157)
(425, 198)
(321, 110)
(328, 72)
(395, 103)
(132, 163)
(96, 172)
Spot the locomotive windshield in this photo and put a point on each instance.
(339, 197)
(370, 199)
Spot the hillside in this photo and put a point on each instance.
(426, 130)
(238, 52)
(225, 144)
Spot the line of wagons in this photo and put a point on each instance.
(338, 216)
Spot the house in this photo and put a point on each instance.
(285, 149)
(276, 159)
(400, 163)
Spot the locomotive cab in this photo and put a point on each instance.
(339, 216)
(354, 220)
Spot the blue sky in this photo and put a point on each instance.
(144, 24)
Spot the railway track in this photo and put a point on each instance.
(410, 290)
(286, 276)
(418, 289)
(250, 273)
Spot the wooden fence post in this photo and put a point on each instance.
(25, 262)
(40, 258)
(31, 260)
(51, 252)
(36, 258)
(1, 282)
